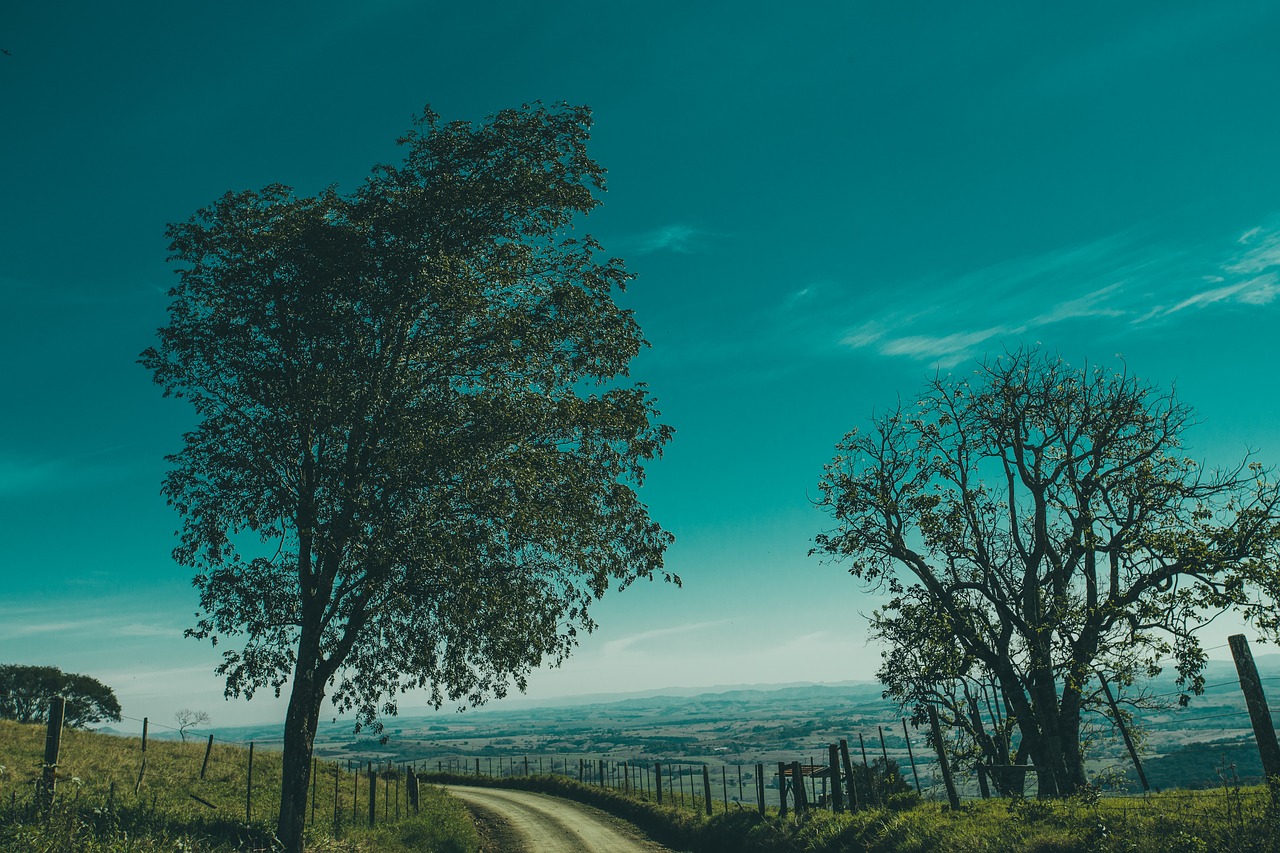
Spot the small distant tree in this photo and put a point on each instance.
(25, 692)
(417, 456)
(1046, 526)
(188, 719)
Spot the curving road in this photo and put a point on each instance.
(522, 822)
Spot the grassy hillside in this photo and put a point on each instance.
(1231, 820)
(101, 808)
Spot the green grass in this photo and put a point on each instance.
(1226, 820)
(97, 810)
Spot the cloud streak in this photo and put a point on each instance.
(1114, 281)
(625, 644)
(676, 237)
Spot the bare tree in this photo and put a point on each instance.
(188, 719)
(1046, 522)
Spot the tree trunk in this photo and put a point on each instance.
(299, 740)
(1072, 756)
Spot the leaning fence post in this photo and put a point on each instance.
(1124, 730)
(910, 754)
(952, 797)
(848, 774)
(52, 747)
(142, 771)
(1259, 713)
(872, 793)
(204, 765)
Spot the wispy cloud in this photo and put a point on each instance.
(676, 237)
(136, 629)
(34, 622)
(624, 644)
(1123, 280)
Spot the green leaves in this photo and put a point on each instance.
(1046, 525)
(25, 693)
(401, 477)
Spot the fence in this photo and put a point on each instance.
(242, 781)
(223, 778)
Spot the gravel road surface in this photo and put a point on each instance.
(522, 822)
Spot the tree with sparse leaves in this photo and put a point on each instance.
(25, 692)
(417, 457)
(1038, 526)
(188, 719)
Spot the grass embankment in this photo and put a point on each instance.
(1233, 820)
(96, 809)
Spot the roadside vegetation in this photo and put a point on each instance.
(96, 809)
(1231, 818)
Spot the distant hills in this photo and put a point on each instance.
(1203, 744)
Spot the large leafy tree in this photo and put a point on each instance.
(417, 457)
(1036, 527)
(25, 692)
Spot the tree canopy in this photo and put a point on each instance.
(417, 455)
(25, 692)
(1037, 527)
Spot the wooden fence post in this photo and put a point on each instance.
(1124, 730)
(204, 765)
(884, 752)
(872, 794)
(833, 767)
(760, 788)
(335, 797)
(797, 789)
(952, 797)
(248, 789)
(910, 754)
(980, 735)
(657, 777)
(52, 748)
(848, 774)
(1259, 713)
(706, 788)
(142, 771)
(373, 794)
(782, 789)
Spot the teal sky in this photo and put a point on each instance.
(824, 204)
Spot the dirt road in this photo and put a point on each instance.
(521, 822)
